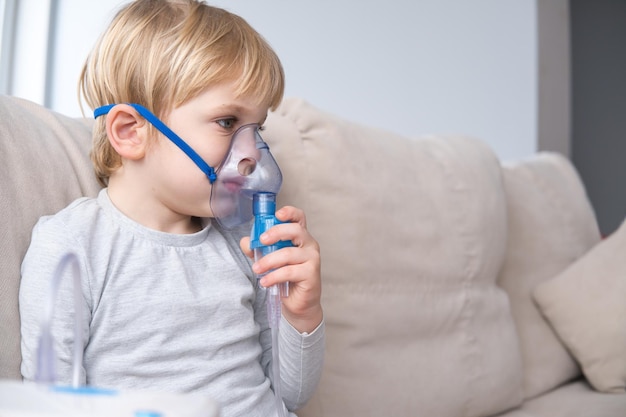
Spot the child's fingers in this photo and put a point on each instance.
(295, 232)
(281, 258)
(291, 214)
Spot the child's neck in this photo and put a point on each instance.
(148, 212)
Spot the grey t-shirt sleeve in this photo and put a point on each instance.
(302, 357)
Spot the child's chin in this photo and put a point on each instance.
(223, 207)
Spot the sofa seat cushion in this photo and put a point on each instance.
(412, 234)
(575, 399)
(586, 306)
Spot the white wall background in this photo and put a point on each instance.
(412, 67)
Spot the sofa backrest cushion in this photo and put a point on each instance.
(412, 234)
(551, 224)
(43, 167)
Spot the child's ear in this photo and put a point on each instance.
(127, 131)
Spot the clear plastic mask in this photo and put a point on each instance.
(249, 168)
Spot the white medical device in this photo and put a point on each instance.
(30, 399)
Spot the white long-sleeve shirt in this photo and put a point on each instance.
(180, 313)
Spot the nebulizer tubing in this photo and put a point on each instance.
(264, 207)
(46, 357)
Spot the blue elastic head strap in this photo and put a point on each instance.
(147, 114)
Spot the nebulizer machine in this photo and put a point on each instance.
(244, 187)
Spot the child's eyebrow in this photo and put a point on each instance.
(237, 109)
(234, 108)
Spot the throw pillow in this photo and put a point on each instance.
(586, 306)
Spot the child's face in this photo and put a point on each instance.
(206, 123)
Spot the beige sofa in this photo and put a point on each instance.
(453, 284)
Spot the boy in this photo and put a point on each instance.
(170, 302)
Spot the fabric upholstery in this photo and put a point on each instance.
(586, 305)
(413, 235)
(576, 399)
(550, 225)
(43, 167)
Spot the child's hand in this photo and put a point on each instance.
(299, 265)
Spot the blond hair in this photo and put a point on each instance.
(162, 53)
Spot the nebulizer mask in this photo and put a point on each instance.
(244, 186)
(248, 169)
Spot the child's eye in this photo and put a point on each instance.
(226, 123)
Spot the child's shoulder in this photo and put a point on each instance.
(81, 210)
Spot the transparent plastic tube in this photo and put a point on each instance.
(274, 307)
(264, 207)
(46, 357)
